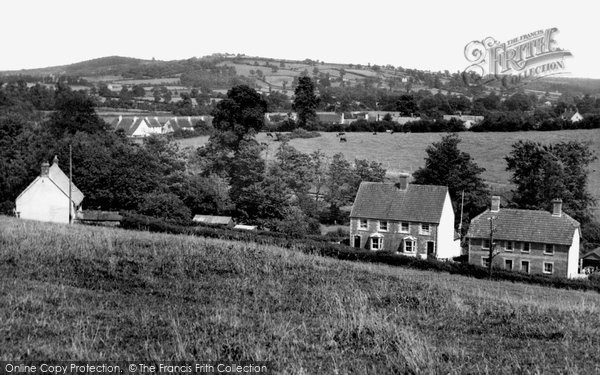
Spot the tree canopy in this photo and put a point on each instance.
(448, 166)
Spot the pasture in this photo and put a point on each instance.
(405, 152)
(92, 293)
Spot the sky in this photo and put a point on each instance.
(418, 34)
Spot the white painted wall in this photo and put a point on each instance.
(446, 246)
(44, 201)
(573, 256)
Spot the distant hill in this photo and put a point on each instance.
(222, 71)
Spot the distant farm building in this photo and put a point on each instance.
(226, 221)
(467, 119)
(140, 127)
(104, 218)
(47, 197)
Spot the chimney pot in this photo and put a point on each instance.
(45, 169)
(495, 204)
(403, 181)
(557, 207)
(55, 160)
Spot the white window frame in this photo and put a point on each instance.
(402, 224)
(483, 241)
(528, 266)
(360, 224)
(528, 247)
(379, 243)
(512, 246)
(484, 261)
(423, 231)
(544, 268)
(546, 252)
(387, 225)
(512, 264)
(414, 245)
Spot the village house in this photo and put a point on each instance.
(530, 241)
(137, 127)
(468, 120)
(47, 197)
(413, 220)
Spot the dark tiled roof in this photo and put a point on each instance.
(594, 254)
(525, 225)
(92, 215)
(419, 203)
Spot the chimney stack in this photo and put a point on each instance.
(495, 204)
(55, 160)
(403, 181)
(45, 169)
(557, 207)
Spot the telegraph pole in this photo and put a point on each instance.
(70, 183)
(492, 246)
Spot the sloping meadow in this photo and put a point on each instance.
(87, 293)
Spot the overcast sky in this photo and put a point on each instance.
(422, 34)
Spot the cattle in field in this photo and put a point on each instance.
(269, 135)
(340, 134)
(374, 133)
(343, 138)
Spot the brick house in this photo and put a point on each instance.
(530, 241)
(413, 220)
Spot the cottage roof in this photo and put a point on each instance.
(210, 219)
(60, 179)
(418, 203)
(129, 124)
(329, 117)
(525, 225)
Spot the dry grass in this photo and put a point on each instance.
(105, 294)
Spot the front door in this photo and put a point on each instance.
(430, 249)
(357, 241)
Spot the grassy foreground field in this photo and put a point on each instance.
(405, 152)
(86, 293)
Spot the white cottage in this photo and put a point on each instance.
(47, 197)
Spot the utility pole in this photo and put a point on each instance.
(492, 246)
(460, 223)
(70, 183)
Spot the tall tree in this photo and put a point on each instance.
(447, 165)
(305, 102)
(240, 114)
(544, 172)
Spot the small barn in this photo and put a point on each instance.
(47, 197)
(225, 221)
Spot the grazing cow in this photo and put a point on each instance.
(374, 133)
(269, 135)
(343, 138)
(340, 134)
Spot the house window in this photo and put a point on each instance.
(383, 226)
(549, 249)
(485, 262)
(525, 266)
(410, 246)
(362, 224)
(548, 268)
(376, 243)
(508, 264)
(425, 229)
(404, 227)
(509, 246)
(485, 244)
(526, 247)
